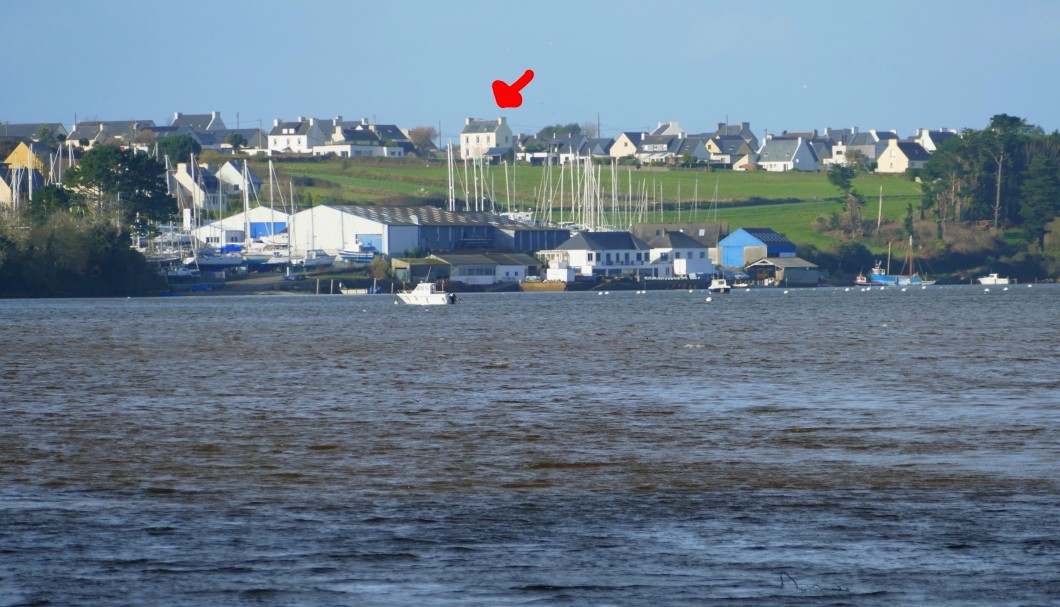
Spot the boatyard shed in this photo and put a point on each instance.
(417, 270)
(399, 230)
(747, 245)
(488, 268)
(784, 272)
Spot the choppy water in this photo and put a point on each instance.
(821, 447)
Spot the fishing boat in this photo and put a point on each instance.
(879, 277)
(993, 279)
(426, 294)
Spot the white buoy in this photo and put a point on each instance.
(785, 291)
(691, 290)
(846, 290)
(986, 290)
(903, 289)
(709, 300)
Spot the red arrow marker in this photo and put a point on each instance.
(508, 95)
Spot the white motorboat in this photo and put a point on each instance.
(426, 294)
(993, 279)
(719, 285)
(314, 258)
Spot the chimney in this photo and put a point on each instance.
(176, 116)
(502, 120)
(275, 122)
(468, 120)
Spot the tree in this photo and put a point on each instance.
(380, 267)
(559, 130)
(1041, 197)
(178, 148)
(237, 141)
(857, 160)
(842, 177)
(47, 136)
(422, 138)
(50, 199)
(116, 179)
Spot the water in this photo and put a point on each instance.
(816, 447)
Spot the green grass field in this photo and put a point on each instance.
(786, 202)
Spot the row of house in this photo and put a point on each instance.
(730, 146)
(300, 136)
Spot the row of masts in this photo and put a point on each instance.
(576, 196)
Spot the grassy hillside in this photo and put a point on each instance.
(786, 202)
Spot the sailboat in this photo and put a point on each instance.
(879, 277)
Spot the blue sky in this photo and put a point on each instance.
(780, 65)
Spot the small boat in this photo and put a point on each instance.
(358, 252)
(719, 285)
(314, 258)
(426, 294)
(993, 279)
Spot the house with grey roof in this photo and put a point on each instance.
(299, 136)
(257, 141)
(121, 132)
(479, 136)
(901, 156)
(29, 130)
(788, 154)
(727, 149)
(659, 148)
(742, 130)
(706, 233)
(392, 138)
(196, 188)
(198, 122)
(668, 128)
(930, 140)
(488, 268)
(602, 254)
(626, 144)
(675, 253)
(233, 180)
(869, 143)
(352, 142)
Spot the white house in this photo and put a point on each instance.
(678, 254)
(194, 187)
(932, 139)
(300, 136)
(230, 174)
(480, 136)
(788, 154)
(602, 253)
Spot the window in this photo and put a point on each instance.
(677, 254)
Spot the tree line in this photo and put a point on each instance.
(74, 240)
(1005, 175)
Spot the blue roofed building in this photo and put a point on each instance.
(748, 245)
